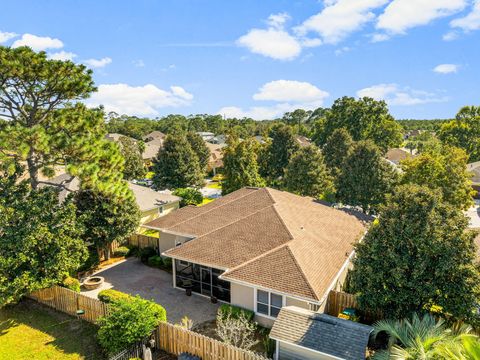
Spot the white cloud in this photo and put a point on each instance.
(290, 90)
(62, 55)
(273, 42)
(342, 50)
(451, 35)
(138, 100)
(138, 63)
(401, 15)
(288, 95)
(98, 63)
(446, 68)
(471, 21)
(401, 96)
(340, 18)
(5, 36)
(380, 37)
(38, 43)
(277, 21)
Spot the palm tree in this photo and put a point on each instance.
(420, 338)
(462, 347)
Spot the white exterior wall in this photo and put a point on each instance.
(168, 241)
(291, 352)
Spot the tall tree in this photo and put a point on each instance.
(419, 254)
(364, 119)
(134, 167)
(240, 166)
(464, 131)
(277, 153)
(306, 174)
(336, 149)
(200, 148)
(45, 127)
(106, 217)
(365, 177)
(40, 240)
(443, 169)
(177, 165)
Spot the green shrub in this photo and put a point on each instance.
(91, 262)
(110, 296)
(121, 251)
(167, 263)
(134, 250)
(189, 196)
(71, 283)
(146, 253)
(155, 261)
(235, 311)
(129, 321)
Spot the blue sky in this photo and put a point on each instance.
(261, 58)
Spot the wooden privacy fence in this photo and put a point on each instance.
(68, 301)
(143, 241)
(176, 340)
(337, 301)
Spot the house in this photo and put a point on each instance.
(303, 141)
(151, 150)
(396, 155)
(260, 249)
(302, 334)
(154, 135)
(206, 135)
(216, 157)
(474, 168)
(115, 137)
(153, 204)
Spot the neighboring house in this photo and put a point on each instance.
(216, 157)
(115, 137)
(474, 168)
(303, 141)
(151, 150)
(153, 204)
(260, 249)
(305, 335)
(154, 135)
(206, 136)
(396, 155)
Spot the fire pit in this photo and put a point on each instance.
(93, 282)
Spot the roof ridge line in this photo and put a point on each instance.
(206, 212)
(278, 214)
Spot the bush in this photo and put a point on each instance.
(146, 253)
(155, 261)
(167, 263)
(92, 260)
(189, 196)
(110, 296)
(235, 312)
(130, 320)
(71, 283)
(133, 250)
(121, 251)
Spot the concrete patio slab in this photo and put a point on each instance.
(133, 277)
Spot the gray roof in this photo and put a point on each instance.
(321, 332)
(148, 199)
(70, 184)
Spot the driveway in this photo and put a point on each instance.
(133, 277)
(474, 215)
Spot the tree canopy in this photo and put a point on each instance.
(106, 217)
(365, 178)
(364, 119)
(46, 127)
(464, 131)
(41, 240)
(189, 196)
(443, 169)
(200, 148)
(306, 174)
(134, 167)
(336, 149)
(240, 166)
(418, 255)
(177, 165)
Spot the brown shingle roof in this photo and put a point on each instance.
(269, 238)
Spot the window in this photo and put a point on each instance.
(269, 303)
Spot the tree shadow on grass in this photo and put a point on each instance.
(70, 335)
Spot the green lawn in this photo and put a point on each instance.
(215, 185)
(31, 331)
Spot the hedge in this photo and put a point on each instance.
(71, 283)
(235, 311)
(121, 251)
(155, 261)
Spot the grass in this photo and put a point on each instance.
(215, 185)
(31, 331)
(205, 201)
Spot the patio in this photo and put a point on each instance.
(133, 277)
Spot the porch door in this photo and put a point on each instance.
(206, 276)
